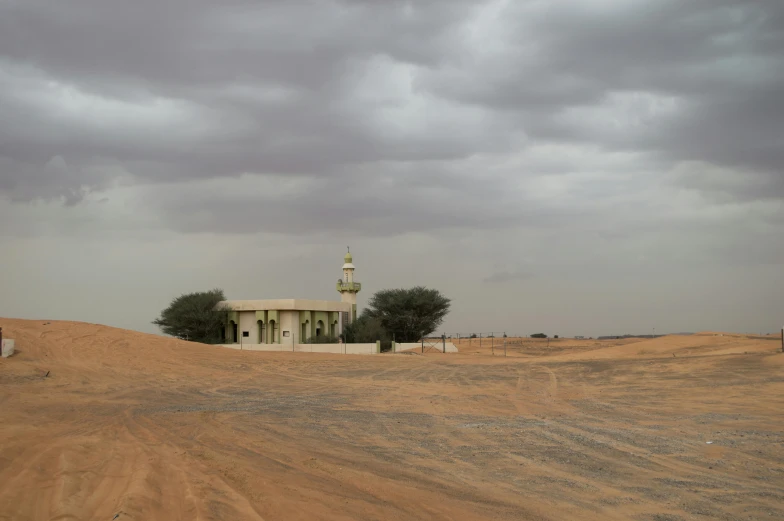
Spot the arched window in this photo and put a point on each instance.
(272, 331)
(233, 326)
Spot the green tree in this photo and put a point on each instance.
(364, 330)
(408, 314)
(538, 335)
(195, 316)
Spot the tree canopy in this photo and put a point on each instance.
(195, 317)
(365, 329)
(408, 314)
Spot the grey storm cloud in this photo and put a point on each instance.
(579, 164)
(502, 277)
(95, 93)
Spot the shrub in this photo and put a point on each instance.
(195, 317)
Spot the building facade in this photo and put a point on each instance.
(292, 321)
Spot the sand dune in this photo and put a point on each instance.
(143, 427)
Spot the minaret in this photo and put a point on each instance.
(347, 287)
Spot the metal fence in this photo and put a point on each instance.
(500, 343)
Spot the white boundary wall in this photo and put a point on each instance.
(7, 349)
(348, 349)
(429, 347)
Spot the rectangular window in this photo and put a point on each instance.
(285, 333)
(245, 334)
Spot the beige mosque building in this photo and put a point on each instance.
(292, 321)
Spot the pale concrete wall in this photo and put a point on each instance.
(257, 347)
(7, 348)
(248, 323)
(450, 347)
(360, 349)
(289, 321)
(348, 297)
(286, 304)
(349, 349)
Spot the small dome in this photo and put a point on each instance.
(347, 259)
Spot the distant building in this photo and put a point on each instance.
(292, 321)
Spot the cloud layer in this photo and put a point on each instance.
(530, 138)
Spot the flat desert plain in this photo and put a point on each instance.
(130, 426)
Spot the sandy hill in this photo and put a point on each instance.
(81, 349)
(131, 426)
(699, 344)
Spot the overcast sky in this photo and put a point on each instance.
(577, 167)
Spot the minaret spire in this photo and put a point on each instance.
(346, 286)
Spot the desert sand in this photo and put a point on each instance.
(131, 426)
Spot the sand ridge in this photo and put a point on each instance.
(145, 427)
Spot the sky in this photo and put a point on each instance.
(572, 167)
